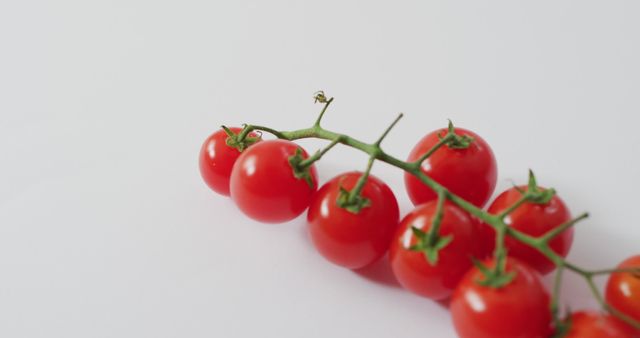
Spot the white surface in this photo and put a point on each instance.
(106, 229)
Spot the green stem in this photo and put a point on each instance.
(500, 253)
(437, 219)
(433, 149)
(324, 109)
(228, 131)
(386, 131)
(355, 192)
(610, 271)
(318, 155)
(523, 199)
(249, 128)
(560, 229)
(598, 296)
(555, 298)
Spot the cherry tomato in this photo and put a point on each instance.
(535, 220)
(217, 159)
(264, 186)
(517, 309)
(623, 289)
(589, 324)
(470, 173)
(413, 270)
(348, 239)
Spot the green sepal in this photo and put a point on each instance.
(492, 279)
(543, 196)
(562, 328)
(353, 204)
(457, 141)
(301, 173)
(233, 140)
(420, 235)
(429, 250)
(537, 195)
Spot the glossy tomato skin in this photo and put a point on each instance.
(591, 324)
(263, 184)
(623, 289)
(518, 309)
(347, 239)
(470, 173)
(216, 160)
(412, 269)
(535, 220)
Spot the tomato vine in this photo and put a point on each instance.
(431, 241)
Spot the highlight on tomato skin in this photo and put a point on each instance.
(592, 324)
(517, 309)
(348, 239)
(534, 220)
(216, 160)
(412, 269)
(263, 184)
(622, 291)
(470, 173)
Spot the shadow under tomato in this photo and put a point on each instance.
(379, 272)
(444, 302)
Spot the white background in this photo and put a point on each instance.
(106, 229)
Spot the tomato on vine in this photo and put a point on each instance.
(266, 186)
(352, 235)
(518, 309)
(590, 324)
(533, 219)
(468, 170)
(409, 256)
(217, 158)
(623, 289)
(451, 170)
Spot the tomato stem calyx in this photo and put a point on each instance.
(234, 140)
(493, 278)
(457, 141)
(352, 203)
(562, 327)
(537, 195)
(300, 171)
(431, 242)
(429, 245)
(451, 140)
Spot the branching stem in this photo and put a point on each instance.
(541, 244)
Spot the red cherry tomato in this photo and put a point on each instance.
(589, 324)
(623, 289)
(217, 159)
(413, 270)
(517, 309)
(470, 173)
(263, 184)
(535, 220)
(348, 239)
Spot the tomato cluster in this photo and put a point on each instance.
(438, 250)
